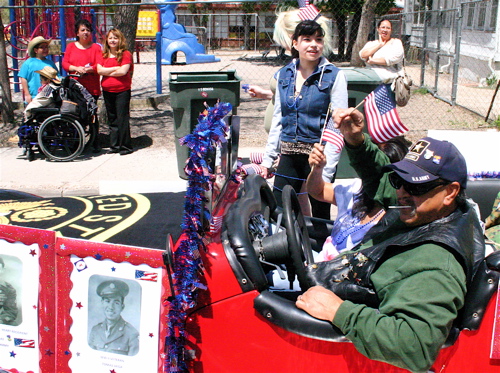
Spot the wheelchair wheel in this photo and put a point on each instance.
(61, 138)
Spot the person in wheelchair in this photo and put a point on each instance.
(45, 97)
(406, 282)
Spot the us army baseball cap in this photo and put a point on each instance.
(430, 159)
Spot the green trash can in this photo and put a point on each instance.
(360, 82)
(189, 92)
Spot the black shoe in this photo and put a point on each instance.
(126, 151)
(113, 151)
(96, 150)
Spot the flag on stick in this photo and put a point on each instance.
(381, 115)
(333, 135)
(309, 12)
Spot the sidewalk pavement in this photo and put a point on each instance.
(147, 170)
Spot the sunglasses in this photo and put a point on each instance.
(415, 189)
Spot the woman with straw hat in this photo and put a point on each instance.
(38, 50)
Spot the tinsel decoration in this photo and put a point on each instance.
(187, 265)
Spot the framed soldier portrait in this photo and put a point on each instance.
(113, 318)
(27, 323)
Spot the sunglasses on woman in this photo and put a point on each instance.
(415, 189)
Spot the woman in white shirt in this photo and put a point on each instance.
(385, 55)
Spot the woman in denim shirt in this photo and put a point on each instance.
(305, 89)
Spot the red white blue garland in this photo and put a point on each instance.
(209, 132)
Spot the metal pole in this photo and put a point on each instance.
(62, 31)
(424, 50)
(13, 41)
(438, 51)
(158, 63)
(456, 64)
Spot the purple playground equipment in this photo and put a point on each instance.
(174, 38)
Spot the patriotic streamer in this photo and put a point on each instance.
(187, 264)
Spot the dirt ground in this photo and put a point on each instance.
(155, 127)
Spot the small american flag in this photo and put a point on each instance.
(146, 276)
(333, 135)
(381, 115)
(308, 12)
(30, 343)
(216, 224)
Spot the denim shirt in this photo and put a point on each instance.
(303, 117)
(327, 85)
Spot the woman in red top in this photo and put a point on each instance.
(80, 58)
(116, 67)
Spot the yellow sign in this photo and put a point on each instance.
(147, 24)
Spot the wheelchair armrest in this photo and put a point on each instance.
(45, 110)
(283, 313)
(484, 284)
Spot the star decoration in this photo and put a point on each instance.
(62, 247)
(79, 305)
(77, 354)
(45, 246)
(49, 352)
(98, 256)
(151, 335)
(112, 371)
(34, 307)
(32, 252)
(128, 254)
(113, 269)
(46, 328)
(67, 352)
(12, 354)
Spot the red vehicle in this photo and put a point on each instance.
(236, 321)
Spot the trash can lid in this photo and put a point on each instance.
(361, 75)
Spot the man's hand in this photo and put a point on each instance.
(350, 122)
(317, 157)
(320, 303)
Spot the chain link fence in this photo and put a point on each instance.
(448, 57)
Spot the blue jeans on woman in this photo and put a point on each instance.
(118, 110)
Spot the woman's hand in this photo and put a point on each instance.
(80, 70)
(266, 173)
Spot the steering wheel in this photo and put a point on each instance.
(299, 245)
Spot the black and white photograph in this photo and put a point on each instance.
(114, 315)
(10, 290)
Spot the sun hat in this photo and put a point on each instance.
(430, 159)
(34, 42)
(49, 73)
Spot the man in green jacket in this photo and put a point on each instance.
(419, 264)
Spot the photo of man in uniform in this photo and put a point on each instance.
(114, 334)
(8, 296)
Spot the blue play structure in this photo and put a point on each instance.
(174, 38)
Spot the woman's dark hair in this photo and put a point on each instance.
(382, 20)
(307, 28)
(82, 22)
(395, 148)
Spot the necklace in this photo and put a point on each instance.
(342, 235)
